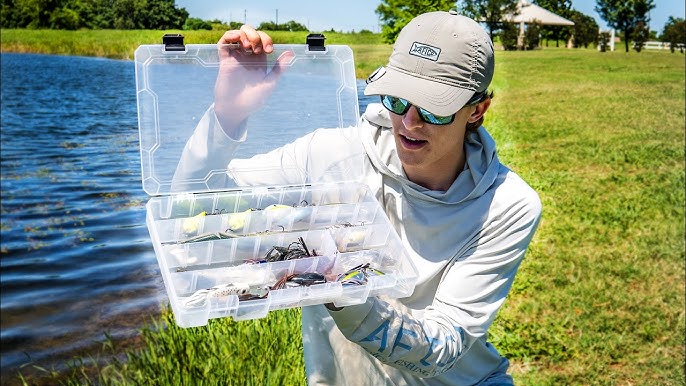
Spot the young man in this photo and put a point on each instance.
(466, 219)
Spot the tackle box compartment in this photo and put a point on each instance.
(226, 250)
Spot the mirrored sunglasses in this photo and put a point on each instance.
(400, 106)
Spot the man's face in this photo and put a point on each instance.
(425, 149)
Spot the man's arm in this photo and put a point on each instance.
(467, 300)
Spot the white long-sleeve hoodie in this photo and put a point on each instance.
(467, 244)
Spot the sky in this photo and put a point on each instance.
(348, 15)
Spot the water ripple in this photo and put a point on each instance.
(75, 253)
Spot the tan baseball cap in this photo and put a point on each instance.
(439, 61)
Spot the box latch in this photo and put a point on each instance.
(315, 42)
(173, 42)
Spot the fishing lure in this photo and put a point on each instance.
(237, 220)
(295, 250)
(304, 279)
(190, 225)
(208, 237)
(242, 290)
(358, 275)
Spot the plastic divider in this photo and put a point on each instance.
(213, 240)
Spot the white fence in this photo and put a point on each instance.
(653, 45)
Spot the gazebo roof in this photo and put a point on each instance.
(529, 12)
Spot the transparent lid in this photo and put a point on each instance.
(188, 138)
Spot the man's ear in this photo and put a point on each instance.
(479, 111)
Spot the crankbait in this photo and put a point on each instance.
(190, 225)
(242, 290)
(358, 275)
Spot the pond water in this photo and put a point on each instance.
(76, 259)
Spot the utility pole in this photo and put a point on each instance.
(245, 16)
(277, 18)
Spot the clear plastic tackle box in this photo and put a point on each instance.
(239, 250)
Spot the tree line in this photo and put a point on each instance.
(112, 14)
(92, 14)
(630, 17)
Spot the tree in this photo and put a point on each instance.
(674, 32)
(556, 32)
(509, 33)
(194, 23)
(293, 26)
(640, 34)
(532, 35)
(235, 24)
(490, 12)
(74, 14)
(163, 14)
(65, 18)
(585, 30)
(624, 15)
(395, 14)
(290, 25)
(30, 13)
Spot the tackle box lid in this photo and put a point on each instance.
(175, 87)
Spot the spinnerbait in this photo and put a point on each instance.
(304, 279)
(243, 291)
(295, 250)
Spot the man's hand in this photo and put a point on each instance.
(243, 83)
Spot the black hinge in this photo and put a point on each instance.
(315, 42)
(173, 42)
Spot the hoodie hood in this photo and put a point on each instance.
(479, 173)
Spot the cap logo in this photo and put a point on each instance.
(425, 51)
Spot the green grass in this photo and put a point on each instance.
(259, 352)
(599, 299)
(121, 44)
(219, 353)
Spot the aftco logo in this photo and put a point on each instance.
(425, 51)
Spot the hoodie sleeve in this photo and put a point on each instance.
(472, 289)
(322, 154)
(208, 149)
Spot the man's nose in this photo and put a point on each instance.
(411, 119)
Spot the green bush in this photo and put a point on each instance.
(508, 36)
(193, 23)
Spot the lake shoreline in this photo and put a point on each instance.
(369, 50)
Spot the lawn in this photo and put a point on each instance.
(599, 299)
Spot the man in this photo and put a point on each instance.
(465, 218)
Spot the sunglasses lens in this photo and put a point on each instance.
(400, 106)
(435, 119)
(395, 105)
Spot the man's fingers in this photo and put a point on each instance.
(252, 39)
(266, 42)
(230, 37)
(281, 63)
